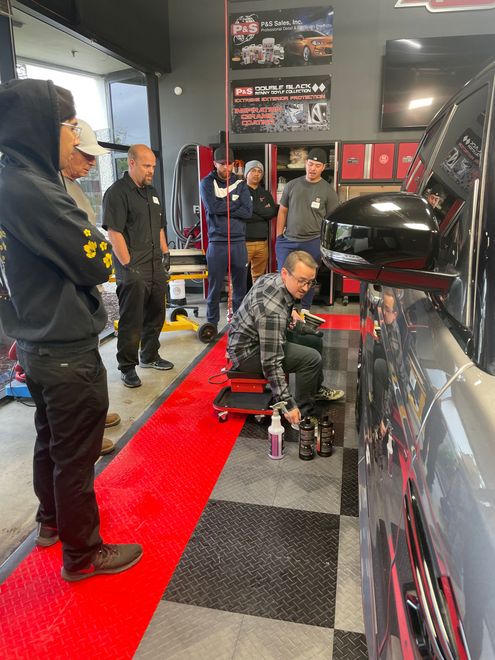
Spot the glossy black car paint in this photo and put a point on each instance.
(426, 388)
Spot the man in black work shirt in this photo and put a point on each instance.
(132, 213)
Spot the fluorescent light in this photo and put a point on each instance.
(420, 103)
(383, 207)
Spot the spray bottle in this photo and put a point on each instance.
(276, 432)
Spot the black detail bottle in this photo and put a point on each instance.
(324, 445)
(306, 439)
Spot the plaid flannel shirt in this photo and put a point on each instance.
(260, 326)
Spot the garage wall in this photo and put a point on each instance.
(361, 28)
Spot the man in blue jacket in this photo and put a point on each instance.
(219, 189)
(51, 261)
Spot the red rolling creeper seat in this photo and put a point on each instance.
(246, 393)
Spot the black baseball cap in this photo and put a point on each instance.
(318, 155)
(220, 154)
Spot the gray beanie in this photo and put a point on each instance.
(252, 163)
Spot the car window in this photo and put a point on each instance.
(450, 190)
(418, 167)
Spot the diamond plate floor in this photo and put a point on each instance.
(272, 569)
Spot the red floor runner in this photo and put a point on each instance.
(153, 493)
(340, 322)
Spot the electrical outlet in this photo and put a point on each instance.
(196, 209)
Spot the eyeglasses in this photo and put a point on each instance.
(73, 127)
(302, 281)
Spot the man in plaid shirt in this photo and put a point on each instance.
(258, 337)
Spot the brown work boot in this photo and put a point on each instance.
(108, 559)
(107, 447)
(113, 419)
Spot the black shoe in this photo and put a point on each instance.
(130, 378)
(47, 535)
(108, 559)
(159, 363)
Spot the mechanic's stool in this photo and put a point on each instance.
(246, 393)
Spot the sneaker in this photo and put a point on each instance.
(47, 535)
(113, 419)
(328, 394)
(159, 363)
(108, 559)
(107, 447)
(130, 378)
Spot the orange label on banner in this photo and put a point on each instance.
(447, 5)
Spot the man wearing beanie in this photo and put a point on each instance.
(304, 203)
(221, 190)
(258, 225)
(52, 260)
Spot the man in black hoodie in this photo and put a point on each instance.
(51, 260)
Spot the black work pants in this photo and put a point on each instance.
(71, 397)
(305, 363)
(141, 293)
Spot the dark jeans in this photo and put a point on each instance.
(283, 247)
(217, 258)
(141, 293)
(303, 361)
(71, 397)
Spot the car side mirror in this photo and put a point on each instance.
(387, 238)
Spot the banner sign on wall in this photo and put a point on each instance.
(448, 5)
(276, 105)
(281, 38)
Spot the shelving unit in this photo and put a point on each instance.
(289, 173)
(269, 155)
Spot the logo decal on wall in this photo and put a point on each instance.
(448, 5)
(245, 28)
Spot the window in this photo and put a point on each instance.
(418, 168)
(129, 108)
(451, 190)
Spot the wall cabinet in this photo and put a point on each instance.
(375, 161)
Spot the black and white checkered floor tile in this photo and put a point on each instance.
(272, 569)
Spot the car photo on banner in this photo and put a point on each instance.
(309, 45)
(281, 38)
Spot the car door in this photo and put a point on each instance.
(415, 366)
(454, 471)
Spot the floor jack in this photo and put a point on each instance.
(179, 320)
(246, 393)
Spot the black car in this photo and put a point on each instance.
(426, 388)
